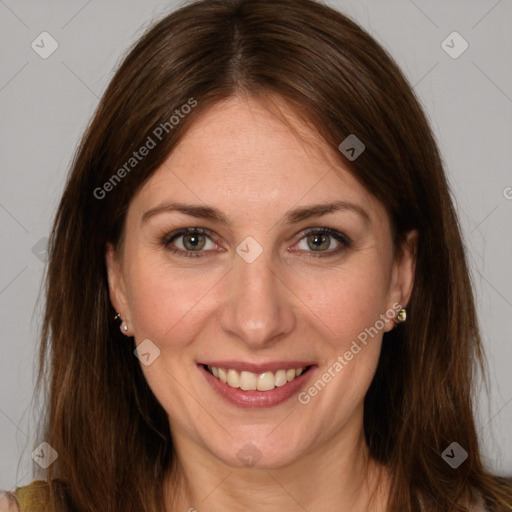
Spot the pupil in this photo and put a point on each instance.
(318, 240)
(192, 241)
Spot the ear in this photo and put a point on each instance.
(402, 279)
(116, 286)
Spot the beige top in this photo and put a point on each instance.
(29, 498)
(35, 496)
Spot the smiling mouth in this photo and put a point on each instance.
(249, 381)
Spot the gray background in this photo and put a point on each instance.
(45, 105)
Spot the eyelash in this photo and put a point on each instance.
(344, 240)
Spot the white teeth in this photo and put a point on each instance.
(249, 381)
(280, 378)
(233, 378)
(266, 381)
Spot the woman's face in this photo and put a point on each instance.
(254, 295)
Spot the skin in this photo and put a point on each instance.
(245, 161)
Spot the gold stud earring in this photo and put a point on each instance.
(402, 316)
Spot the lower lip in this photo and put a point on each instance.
(247, 399)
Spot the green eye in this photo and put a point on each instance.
(318, 240)
(193, 242)
(197, 242)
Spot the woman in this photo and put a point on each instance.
(257, 296)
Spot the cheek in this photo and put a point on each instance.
(347, 301)
(164, 299)
(349, 311)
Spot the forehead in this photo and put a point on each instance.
(242, 156)
(254, 133)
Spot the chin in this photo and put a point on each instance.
(258, 452)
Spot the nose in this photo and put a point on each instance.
(258, 307)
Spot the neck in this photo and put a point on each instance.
(337, 475)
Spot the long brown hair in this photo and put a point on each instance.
(111, 434)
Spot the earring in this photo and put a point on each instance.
(123, 326)
(401, 317)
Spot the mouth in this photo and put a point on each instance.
(246, 385)
(250, 381)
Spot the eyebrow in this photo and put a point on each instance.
(291, 217)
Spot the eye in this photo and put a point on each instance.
(189, 242)
(196, 242)
(318, 240)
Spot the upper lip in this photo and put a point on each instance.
(271, 366)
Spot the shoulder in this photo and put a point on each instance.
(29, 498)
